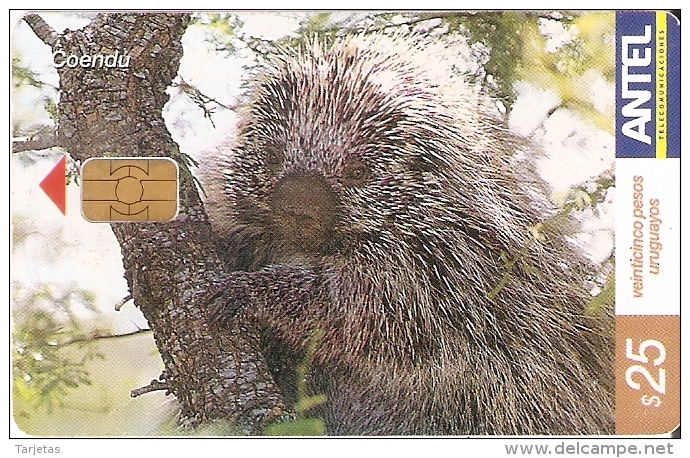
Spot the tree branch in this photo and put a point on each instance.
(155, 385)
(122, 302)
(98, 336)
(35, 143)
(214, 373)
(201, 100)
(42, 29)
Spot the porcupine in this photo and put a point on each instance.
(372, 198)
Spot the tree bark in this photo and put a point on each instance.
(214, 373)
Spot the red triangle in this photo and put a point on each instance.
(55, 184)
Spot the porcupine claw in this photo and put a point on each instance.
(226, 303)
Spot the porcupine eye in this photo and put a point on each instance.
(355, 173)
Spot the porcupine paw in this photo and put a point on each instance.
(227, 302)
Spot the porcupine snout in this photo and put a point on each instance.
(304, 209)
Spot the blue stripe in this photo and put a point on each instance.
(635, 113)
(673, 98)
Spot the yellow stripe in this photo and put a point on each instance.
(661, 87)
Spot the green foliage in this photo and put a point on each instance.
(301, 425)
(318, 27)
(580, 198)
(572, 67)
(51, 108)
(498, 38)
(37, 119)
(318, 23)
(298, 427)
(536, 235)
(171, 427)
(606, 298)
(223, 28)
(510, 46)
(589, 195)
(39, 372)
(22, 76)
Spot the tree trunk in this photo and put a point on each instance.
(214, 373)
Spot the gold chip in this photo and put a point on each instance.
(126, 189)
